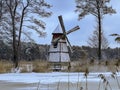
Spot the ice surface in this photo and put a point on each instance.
(51, 77)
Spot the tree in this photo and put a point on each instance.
(93, 40)
(20, 17)
(117, 37)
(97, 8)
(4, 33)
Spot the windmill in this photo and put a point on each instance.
(58, 51)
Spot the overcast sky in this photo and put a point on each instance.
(111, 23)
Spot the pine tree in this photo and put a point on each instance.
(97, 8)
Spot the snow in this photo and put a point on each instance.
(51, 77)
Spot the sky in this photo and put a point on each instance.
(66, 8)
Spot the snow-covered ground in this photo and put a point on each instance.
(23, 81)
(51, 77)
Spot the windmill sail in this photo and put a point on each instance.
(73, 29)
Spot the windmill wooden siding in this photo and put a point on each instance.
(59, 53)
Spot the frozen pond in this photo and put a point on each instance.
(59, 81)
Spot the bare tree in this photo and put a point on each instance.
(97, 8)
(93, 40)
(21, 17)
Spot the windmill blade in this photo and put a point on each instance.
(64, 32)
(69, 45)
(62, 24)
(73, 29)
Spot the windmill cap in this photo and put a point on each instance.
(58, 29)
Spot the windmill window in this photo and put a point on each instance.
(55, 45)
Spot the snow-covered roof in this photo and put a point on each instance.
(58, 29)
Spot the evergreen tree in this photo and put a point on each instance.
(117, 37)
(97, 8)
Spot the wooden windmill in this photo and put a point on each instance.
(58, 52)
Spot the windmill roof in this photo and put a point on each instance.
(58, 29)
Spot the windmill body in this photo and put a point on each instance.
(58, 53)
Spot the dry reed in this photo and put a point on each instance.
(5, 66)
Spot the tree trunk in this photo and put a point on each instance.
(99, 47)
(20, 31)
(15, 52)
(15, 59)
(99, 26)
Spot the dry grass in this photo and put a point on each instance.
(25, 66)
(40, 66)
(34, 66)
(78, 66)
(5, 66)
(95, 66)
